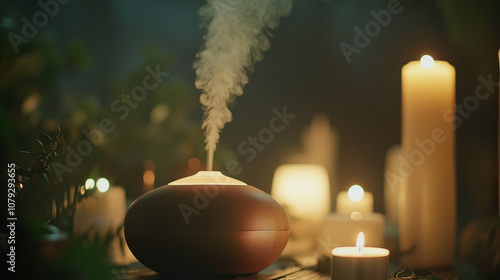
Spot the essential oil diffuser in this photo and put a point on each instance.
(206, 224)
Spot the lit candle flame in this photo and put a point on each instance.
(355, 193)
(148, 177)
(102, 184)
(89, 184)
(427, 61)
(361, 242)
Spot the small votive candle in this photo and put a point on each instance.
(360, 263)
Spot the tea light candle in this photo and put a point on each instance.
(355, 199)
(360, 263)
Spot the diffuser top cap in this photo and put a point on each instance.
(207, 178)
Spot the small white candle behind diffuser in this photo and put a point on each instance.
(102, 214)
(303, 189)
(355, 199)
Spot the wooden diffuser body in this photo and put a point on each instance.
(206, 224)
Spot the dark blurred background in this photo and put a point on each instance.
(91, 52)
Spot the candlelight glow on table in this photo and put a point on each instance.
(360, 263)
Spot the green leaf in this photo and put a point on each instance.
(39, 143)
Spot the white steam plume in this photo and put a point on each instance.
(237, 35)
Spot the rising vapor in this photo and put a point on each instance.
(237, 35)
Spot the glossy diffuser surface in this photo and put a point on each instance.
(206, 224)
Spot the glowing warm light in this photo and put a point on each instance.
(82, 190)
(21, 185)
(148, 177)
(356, 216)
(355, 193)
(102, 184)
(352, 252)
(194, 163)
(78, 117)
(30, 104)
(207, 178)
(159, 113)
(361, 241)
(54, 209)
(89, 183)
(303, 190)
(427, 61)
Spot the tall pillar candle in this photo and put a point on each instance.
(428, 148)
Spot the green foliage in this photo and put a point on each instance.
(47, 214)
(39, 191)
(77, 55)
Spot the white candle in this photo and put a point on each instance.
(392, 183)
(303, 190)
(360, 263)
(428, 220)
(339, 229)
(319, 145)
(102, 214)
(356, 199)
